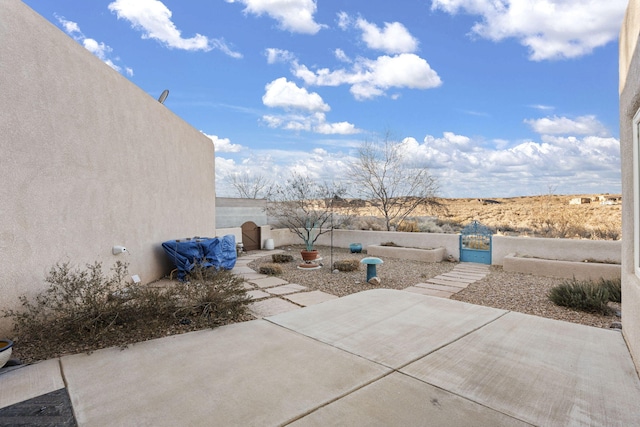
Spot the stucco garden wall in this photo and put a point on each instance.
(233, 212)
(629, 105)
(89, 161)
(555, 249)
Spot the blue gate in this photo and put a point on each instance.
(475, 243)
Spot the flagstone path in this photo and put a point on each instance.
(272, 295)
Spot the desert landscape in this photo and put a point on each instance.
(534, 216)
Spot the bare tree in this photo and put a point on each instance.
(385, 176)
(251, 186)
(300, 204)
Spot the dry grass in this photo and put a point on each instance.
(535, 216)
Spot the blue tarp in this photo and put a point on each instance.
(217, 252)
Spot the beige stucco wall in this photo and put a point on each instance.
(88, 161)
(555, 249)
(629, 105)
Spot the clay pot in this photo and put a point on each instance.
(309, 255)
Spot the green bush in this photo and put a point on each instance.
(581, 295)
(281, 258)
(347, 265)
(270, 269)
(614, 287)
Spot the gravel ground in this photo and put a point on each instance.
(509, 291)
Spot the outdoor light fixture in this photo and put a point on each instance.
(163, 96)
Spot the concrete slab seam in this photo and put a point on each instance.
(455, 340)
(466, 398)
(343, 395)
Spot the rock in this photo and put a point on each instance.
(615, 325)
(336, 271)
(375, 281)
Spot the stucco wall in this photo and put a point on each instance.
(629, 105)
(233, 212)
(88, 161)
(555, 249)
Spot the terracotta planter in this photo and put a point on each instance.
(309, 255)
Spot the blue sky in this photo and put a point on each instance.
(497, 98)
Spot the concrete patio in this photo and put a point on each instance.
(379, 357)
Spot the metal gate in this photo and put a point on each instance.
(475, 243)
(250, 236)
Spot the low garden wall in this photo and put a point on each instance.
(553, 257)
(415, 254)
(561, 269)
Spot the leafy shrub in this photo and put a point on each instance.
(270, 269)
(614, 288)
(347, 265)
(582, 295)
(281, 258)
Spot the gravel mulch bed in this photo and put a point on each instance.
(393, 274)
(508, 291)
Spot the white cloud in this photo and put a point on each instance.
(341, 56)
(285, 94)
(99, 49)
(468, 168)
(393, 38)
(583, 125)
(551, 29)
(344, 20)
(316, 122)
(370, 78)
(278, 55)
(224, 145)
(153, 19)
(295, 16)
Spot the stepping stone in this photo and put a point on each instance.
(247, 285)
(257, 294)
(429, 292)
(268, 282)
(455, 278)
(475, 269)
(436, 287)
(310, 298)
(271, 307)
(286, 289)
(253, 276)
(448, 283)
(242, 270)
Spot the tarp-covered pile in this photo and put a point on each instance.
(217, 252)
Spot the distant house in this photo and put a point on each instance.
(579, 201)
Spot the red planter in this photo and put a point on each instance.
(309, 255)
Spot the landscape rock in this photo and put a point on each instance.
(375, 281)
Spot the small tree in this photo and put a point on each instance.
(300, 204)
(250, 186)
(395, 186)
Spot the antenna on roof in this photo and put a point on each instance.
(163, 96)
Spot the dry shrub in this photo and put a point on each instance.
(347, 265)
(390, 244)
(368, 223)
(270, 269)
(84, 310)
(408, 226)
(281, 258)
